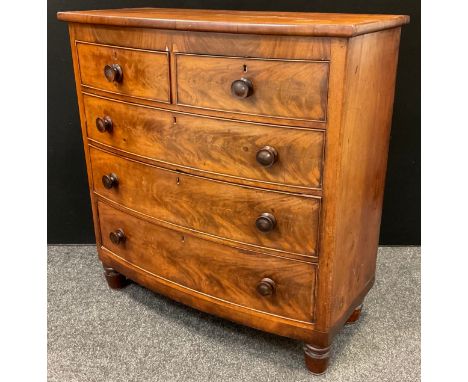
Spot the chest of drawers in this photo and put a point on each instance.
(236, 160)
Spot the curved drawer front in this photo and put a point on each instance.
(279, 88)
(143, 73)
(213, 207)
(211, 145)
(212, 269)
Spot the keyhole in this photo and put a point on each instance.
(182, 238)
(175, 120)
(178, 180)
(245, 68)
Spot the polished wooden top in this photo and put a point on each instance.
(258, 22)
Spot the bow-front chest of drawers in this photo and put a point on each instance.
(236, 160)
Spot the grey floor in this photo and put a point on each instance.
(96, 334)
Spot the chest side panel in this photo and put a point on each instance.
(355, 167)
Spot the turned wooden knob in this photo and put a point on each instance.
(110, 180)
(265, 222)
(267, 156)
(117, 236)
(113, 73)
(266, 287)
(104, 124)
(242, 88)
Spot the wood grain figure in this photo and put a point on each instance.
(143, 74)
(219, 148)
(293, 89)
(212, 207)
(211, 269)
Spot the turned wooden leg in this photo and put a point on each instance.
(316, 358)
(354, 316)
(114, 279)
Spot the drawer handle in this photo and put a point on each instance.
(266, 287)
(267, 156)
(117, 236)
(113, 73)
(242, 88)
(104, 124)
(265, 222)
(110, 180)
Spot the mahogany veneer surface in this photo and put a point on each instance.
(213, 207)
(146, 72)
(236, 160)
(209, 268)
(292, 89)
(225, 149)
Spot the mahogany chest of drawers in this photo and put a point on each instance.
(236, 160)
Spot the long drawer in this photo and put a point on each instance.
(266, 283)
(269, 219)
(294, 89)
(133, 72)
(291, 156)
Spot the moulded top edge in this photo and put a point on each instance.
(252, 22)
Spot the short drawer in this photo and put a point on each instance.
(266, 283)
(285, 156)
(294, 89)
(218, 208)
(133, 72)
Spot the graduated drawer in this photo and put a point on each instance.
(143, 73)
(213, 269)
(211, 207)
(294, 89)
(210, 145)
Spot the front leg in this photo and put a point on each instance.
(114, 279)
(316, 358)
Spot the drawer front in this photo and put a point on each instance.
(279, 88)
(213, 207)
(213, 269)
(143, 73)
(212, 145)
